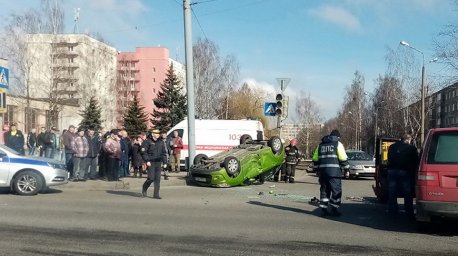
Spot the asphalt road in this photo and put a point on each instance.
(100, 218)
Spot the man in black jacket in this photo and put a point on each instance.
(32, 141)
(14, 139)
(402, 163)
(155, 156)
(92, 156)
(41, 141)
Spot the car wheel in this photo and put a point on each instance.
(245, 138)
(198, 159)
(232, 166)
(27, 183)
(275, 144)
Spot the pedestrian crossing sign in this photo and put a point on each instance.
(4, 78)
(269, 108)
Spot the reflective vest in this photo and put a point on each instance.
(330, 157)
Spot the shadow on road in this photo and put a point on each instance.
(372, 215)
(5, 191)
(124, 193)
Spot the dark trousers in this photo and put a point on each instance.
(290, 172)
(102, 164)
(91, 167)
(400, 181)
(154, 175)
(112, 169)
(69, 163)
(330, 191)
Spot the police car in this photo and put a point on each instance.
(27, 175)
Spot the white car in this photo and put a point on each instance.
(29, 175)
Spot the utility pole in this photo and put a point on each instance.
(189, 81)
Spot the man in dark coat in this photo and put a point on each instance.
(402, 163)
(14, 139)
(92, 156)
(155, 156)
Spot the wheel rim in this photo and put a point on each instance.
(27, 184)
(276, 144)
(232, 166)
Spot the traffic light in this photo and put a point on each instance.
(279, 109)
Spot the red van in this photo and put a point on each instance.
(437, 180)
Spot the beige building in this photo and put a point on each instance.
(67, 70)
(16, 109)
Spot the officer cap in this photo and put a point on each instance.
(335, 132)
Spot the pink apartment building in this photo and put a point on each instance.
(140, 73)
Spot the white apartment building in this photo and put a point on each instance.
(69, 69)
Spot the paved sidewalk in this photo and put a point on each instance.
(126, 183)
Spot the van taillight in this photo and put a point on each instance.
(428, 179)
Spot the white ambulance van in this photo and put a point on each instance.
(214, 136)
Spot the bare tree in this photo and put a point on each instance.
(307, 113)
(214, 76)
(247, 102)
(14, 45)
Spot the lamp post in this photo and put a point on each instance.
(356, 131)
(422, 116)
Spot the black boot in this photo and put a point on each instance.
(145, 187)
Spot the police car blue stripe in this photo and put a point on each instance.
(27, 161)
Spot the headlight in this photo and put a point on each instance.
(357, 167)
(57, 166)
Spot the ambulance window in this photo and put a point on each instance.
(180, 133)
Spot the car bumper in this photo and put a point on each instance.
(56, 177)
(366, 172)
(428, 209)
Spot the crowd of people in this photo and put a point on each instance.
(108, 155)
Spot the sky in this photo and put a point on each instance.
(318, 44)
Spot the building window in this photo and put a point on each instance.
(154, 69)
(70, 72)
(70, 48)
(70, 96)
(133, 65)
(154, 90)
(70, 60)
(71, 84)
(438, 97)
(154, 80)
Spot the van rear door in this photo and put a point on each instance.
(440, 173)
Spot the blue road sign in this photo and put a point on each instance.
(4, 78)
(269, 108)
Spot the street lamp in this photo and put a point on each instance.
(422, 117)
(356, 131)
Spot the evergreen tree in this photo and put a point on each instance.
(170, 104)
(91, 115)
(135, 119)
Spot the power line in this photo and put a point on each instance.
(201, 2)
(198, 23)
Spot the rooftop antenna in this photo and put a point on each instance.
(76, 17)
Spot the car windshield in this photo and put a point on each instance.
(361, 156)
(443, 148)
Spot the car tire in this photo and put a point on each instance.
(232, 166)
(245, 138)
(275, 144)
(27, 183)
(199, 158)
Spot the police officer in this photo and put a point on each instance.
(155, 156)
(330, 157)
(292, 158)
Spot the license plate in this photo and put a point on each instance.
(200, 179)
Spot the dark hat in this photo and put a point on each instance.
(80, 129)
(71, 126)
(335, 132)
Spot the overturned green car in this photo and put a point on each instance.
(252, 160)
